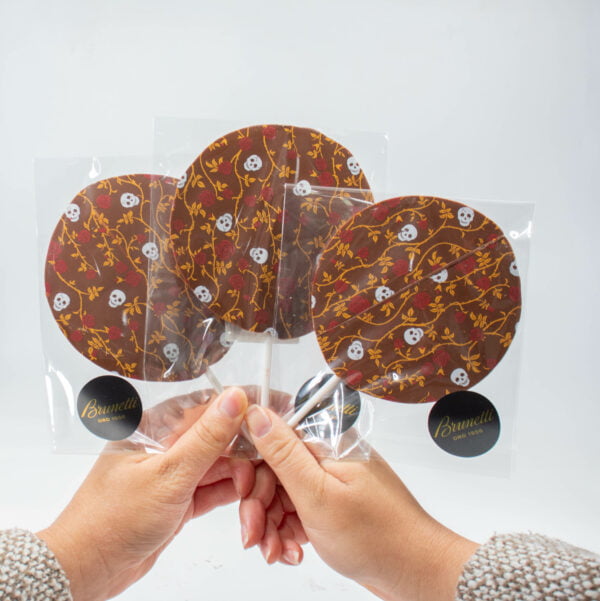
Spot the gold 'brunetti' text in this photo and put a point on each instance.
(92, 411)
(447, 426)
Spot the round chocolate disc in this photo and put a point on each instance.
(226, 220)
(416, 297)
(113, 287)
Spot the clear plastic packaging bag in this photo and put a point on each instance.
(116, 319)
(132, 344)
(227, 230)
(416, 303)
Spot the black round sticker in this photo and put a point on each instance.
(464, 423)
(334, 414)
(109, 407)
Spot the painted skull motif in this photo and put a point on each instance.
(182, 181)
(413, 335)
(171, 352)
(226, 340)
(73, 213)
(225, 222)
(253, 163)
(460, 377)
(150, 251)
(116, 298)
(355, 350)
(353, 166)
(259, 255)
(203, 294)
(465, 216)
(383, 293)
(302, 188)
(61, 301)
(129, 200)
(440, 277)
(408, 233)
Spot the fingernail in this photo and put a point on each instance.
(292, 556)
(231, 403)
(258, 422)
(245, 538)
(266, 551)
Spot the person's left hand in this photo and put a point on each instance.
(132, 504)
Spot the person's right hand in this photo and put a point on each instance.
(358, 515)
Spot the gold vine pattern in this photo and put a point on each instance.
(416, 297)
(113, 286)
(226, 219)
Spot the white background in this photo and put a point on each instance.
(480, 99)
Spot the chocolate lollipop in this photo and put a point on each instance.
(113, 288)
(226, 219)
(416, 297)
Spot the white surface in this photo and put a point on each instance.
(480, 99)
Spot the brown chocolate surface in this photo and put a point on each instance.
(113, 287)
(309, 222)
(416, 297)
(226, 220)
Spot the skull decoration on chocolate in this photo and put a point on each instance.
(116, 298)
(465, 215)
(171, 352)
(129, 200)
(61, 301)
(72, 213)
(460, 377)
(225, 222)
(413, 335)
(253, 163)
(356, 351)
(182, 181)
(150, 250)
(203, 294)
(440, 277)
(383, 293)
(260, 255)
(408, 233)
(302, 188)
(353, 166)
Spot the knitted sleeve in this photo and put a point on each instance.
(527, 567)
(29, 571)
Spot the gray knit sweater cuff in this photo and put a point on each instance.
(29, 571)
(527, 567)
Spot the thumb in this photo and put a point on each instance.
(292, 462)
(197, 449)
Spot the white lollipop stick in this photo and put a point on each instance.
(212, 378)
(314, 400)
(265, 391)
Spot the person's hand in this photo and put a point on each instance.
(359, 517)
(132, 504)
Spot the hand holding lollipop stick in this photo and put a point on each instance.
(226, 220)
(416, 297)
(114, 291)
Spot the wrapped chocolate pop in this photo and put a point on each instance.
(415, 297)
(226, 219)
(113, 288)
